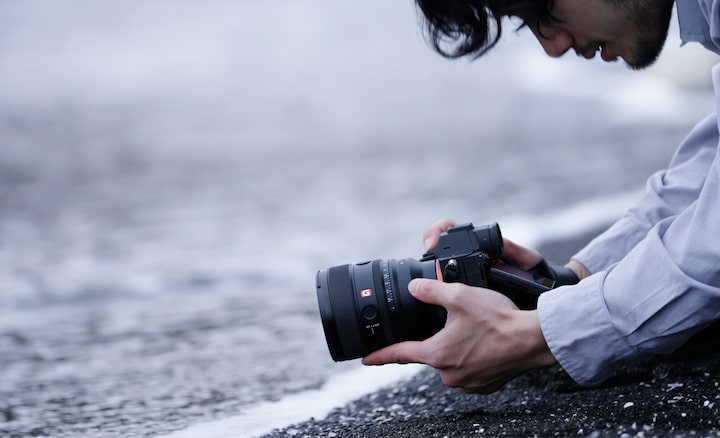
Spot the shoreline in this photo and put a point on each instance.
(340, 389)
(643, 401)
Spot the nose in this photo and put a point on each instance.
(554, 41)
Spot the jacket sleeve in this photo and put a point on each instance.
(668, 193)
(656, 278)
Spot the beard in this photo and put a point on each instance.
(652, 22)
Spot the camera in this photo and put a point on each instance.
(367, 306)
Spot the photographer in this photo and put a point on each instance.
(650, 282)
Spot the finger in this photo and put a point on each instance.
(431, 235)
(430, 291)
(518, 255)
(404, 352)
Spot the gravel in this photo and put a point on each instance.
(654, 400)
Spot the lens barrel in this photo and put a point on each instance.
(367, 306)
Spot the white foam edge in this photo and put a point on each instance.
(342, 388)
(339, 390)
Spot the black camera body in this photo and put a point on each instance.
(471, 256)
(367, 306)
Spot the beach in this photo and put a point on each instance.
(174, 173)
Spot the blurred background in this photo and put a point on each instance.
(173, 174)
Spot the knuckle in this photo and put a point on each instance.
(396, 357)
(442, 359)
(452, 293)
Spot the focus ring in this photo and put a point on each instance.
(342, 302)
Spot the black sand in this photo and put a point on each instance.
(660, 401)
(676, 397)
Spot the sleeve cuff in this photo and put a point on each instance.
(576, 326)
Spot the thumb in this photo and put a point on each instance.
(428, 291)
(404, 352)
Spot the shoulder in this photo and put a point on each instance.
(699, 21)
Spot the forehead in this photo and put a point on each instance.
(596, 16)
(587, 7)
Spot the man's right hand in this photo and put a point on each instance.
(486, 340)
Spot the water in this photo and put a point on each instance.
(172, 174)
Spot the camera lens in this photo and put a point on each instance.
(367, 306)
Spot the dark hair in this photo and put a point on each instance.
(458, 28)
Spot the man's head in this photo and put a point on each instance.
(634, 30)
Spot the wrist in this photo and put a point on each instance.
(578, 268)
(534, 348)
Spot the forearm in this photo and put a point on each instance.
(668, 194)
(650, 303)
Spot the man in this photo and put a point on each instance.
(650, 282)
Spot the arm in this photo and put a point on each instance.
(667, 194)
(657, 280)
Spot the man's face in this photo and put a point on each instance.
(634, 30)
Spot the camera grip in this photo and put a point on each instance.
(524, 292)
(561, 275)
